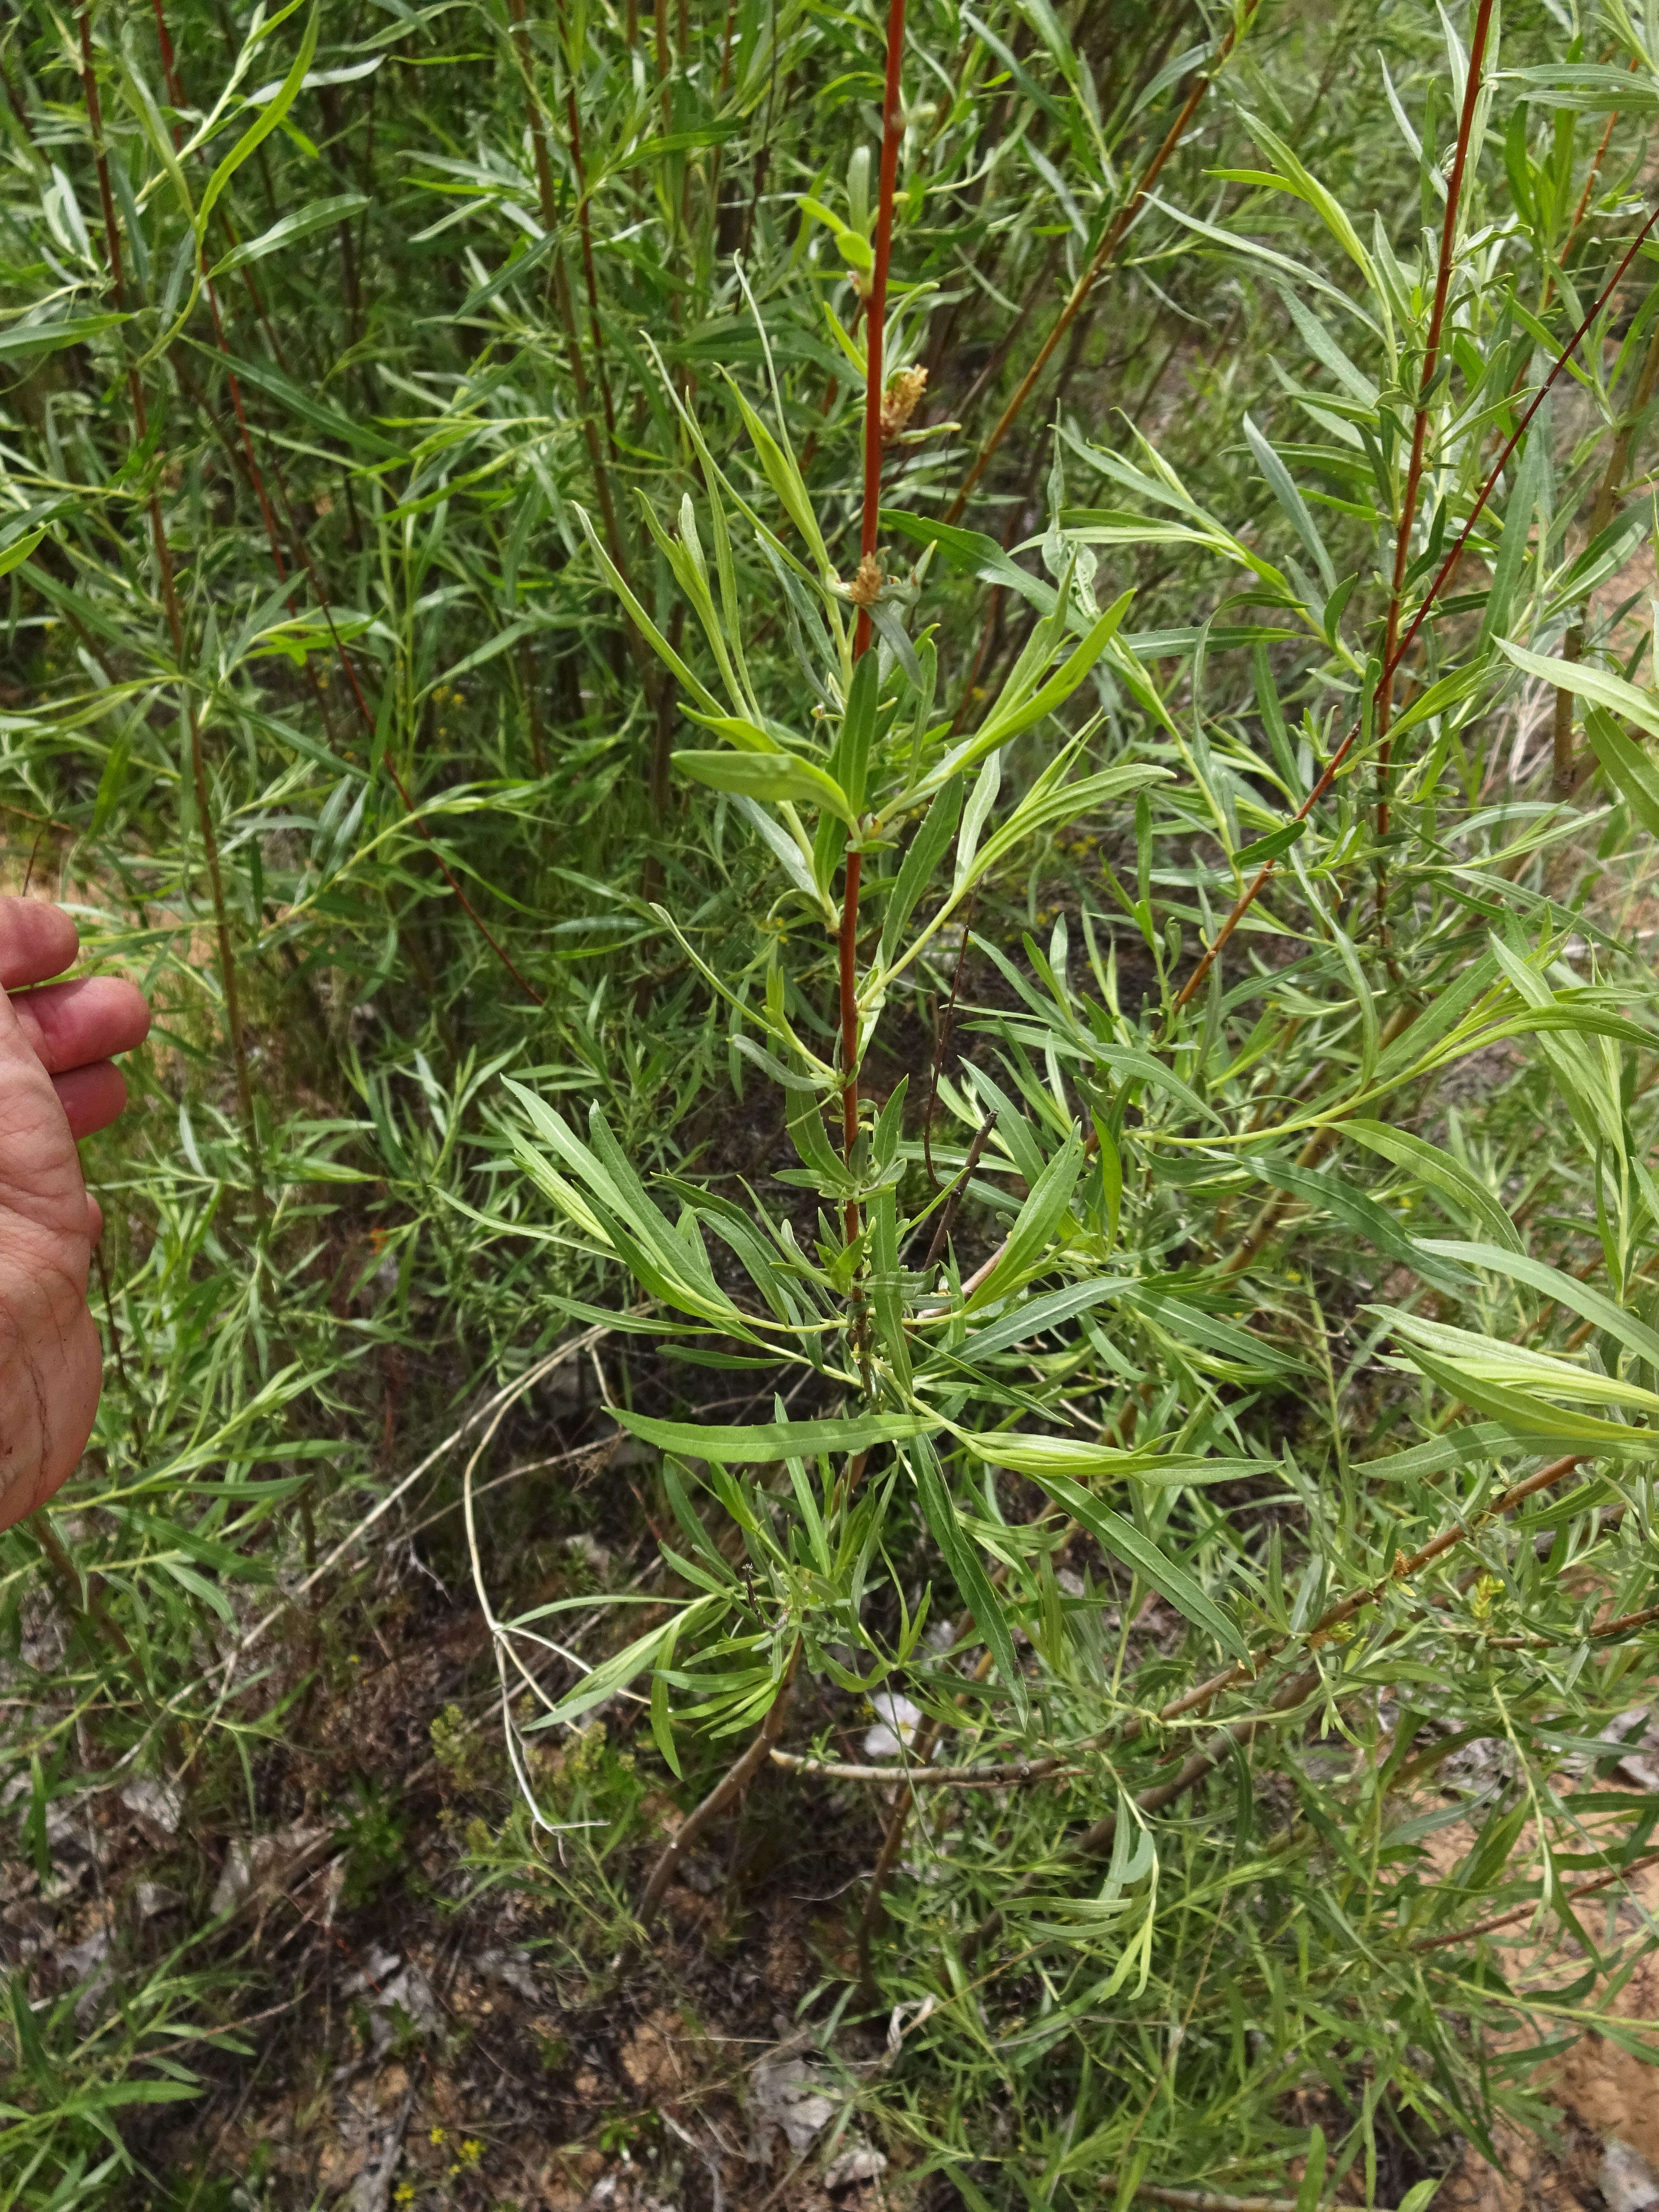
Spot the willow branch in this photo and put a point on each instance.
(1253, 890)
(1525, 1912)
(1294, 1691)
(875, 319)
(1116, 231)
(1402, 544)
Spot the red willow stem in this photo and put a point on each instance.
(590, 274)
(875, 326)
(875, 313)
(850, 1023)
(1252, 891)
(1402, 546)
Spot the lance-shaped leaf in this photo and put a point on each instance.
(670, 1266)
(1518, 1385)
(1125, 1541)
(777, 777)
(1077, 1458)
(1465, 1192)
(1578, 1297)
(270, 115)
(1628, 765)
(1284, 489)
(1031, 1241)
(763, 1441)
(967, 1569)
(320, 215)
(1324, 1190)
(619, 1670)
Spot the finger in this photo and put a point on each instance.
(70, 1024)
(95, 1217)
(36, 940)
(91, 1097)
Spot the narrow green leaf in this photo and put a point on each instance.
(47, 336)
(320, 215)
(1031, 1241)
(1126, 1542)
(1442, 1173)
(1628, 767)
(767, 1441)
(1296, 507)
(270, 116)
(967, 1570)
(1579, 1298)
(774, 777)
(1270, 848)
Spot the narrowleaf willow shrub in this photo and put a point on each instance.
(454, 653)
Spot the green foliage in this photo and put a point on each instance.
(432, 590)
(372, 1829)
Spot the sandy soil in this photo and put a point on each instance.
(1605, 2151)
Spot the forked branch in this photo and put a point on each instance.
(1248, 898)
(1116, 231)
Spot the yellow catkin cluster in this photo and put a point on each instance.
(864, 586)
(900, 402)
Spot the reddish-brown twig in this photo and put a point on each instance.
(584, 225)
(1403, 545)
(1248, 898)
(948, 1211)
(1116, 231)
(1577, 222)
(875, 316)
(892, 125)
(1525, 1912)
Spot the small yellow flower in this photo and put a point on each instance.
(471, 2151)
(403, 2193)
(438, 2137)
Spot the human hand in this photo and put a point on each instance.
(56, 1084)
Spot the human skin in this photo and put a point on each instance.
(58, 1084)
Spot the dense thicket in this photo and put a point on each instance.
(1082, 1173)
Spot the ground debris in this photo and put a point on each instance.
(158, 1806)
(513, 1970)
(255, 1864)
(789, 2093)
(857, 2163)
(624, 2190)
(1626, 2179)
